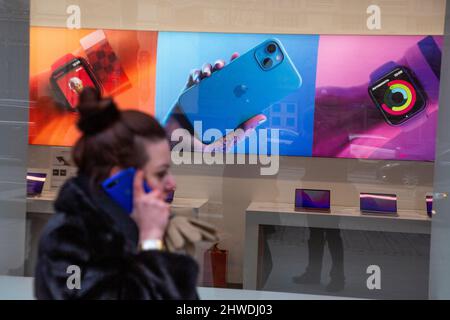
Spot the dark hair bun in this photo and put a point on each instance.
(96, 116)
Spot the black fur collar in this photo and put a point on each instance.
(77, 197)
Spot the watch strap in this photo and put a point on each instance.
(87, 42)
(432, 54)
(105, 63)
(381, 71)
(65, 59)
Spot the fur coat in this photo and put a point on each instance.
(92, 233)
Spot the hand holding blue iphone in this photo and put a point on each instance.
(120, 188)
(242, 89)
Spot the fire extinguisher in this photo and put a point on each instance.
(216, 266)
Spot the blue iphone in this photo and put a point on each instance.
(242, 89)
(120, 188)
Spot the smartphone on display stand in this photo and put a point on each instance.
(242, 89)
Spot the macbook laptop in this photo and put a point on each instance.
(312, 200)
(378, 203)
(35, 183)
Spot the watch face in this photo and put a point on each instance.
(397, 96)
(71, 79)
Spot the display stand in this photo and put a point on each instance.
(344, 218)
(44, 203)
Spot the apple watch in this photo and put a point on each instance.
(105, 63)
(70, 75)
(151, 244)
(396, 93)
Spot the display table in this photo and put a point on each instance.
(44, 203)
(284, 214)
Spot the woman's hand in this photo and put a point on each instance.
(226, 142)
(339, 114)
(150, 211)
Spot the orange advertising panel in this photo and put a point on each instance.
(121, 64)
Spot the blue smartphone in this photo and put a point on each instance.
(120, 188)
(242, 89)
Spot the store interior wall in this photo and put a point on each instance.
(400, 17)
(230, 189)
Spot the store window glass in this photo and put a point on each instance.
(303, 137)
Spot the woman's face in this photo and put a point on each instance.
(157, 169)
